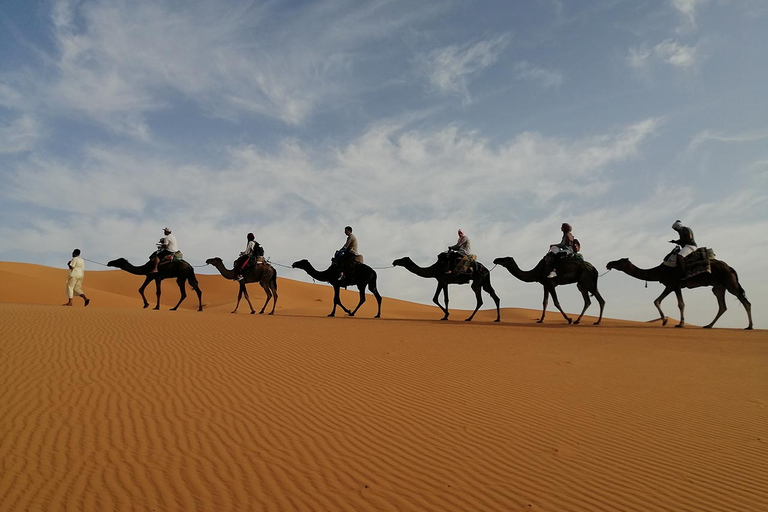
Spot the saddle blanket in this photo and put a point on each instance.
(698, 262)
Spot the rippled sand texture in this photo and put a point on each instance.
(113, 407)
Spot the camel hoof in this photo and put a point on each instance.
(497, 320)
(332, 315)
(539, 321)
(172, 309)
(707, 326)
(379, 316)
(270, 314)
(680, 325)
(468, 320)
(234, 312)
(576, 322)
(146, 306)
(663, 322)
(569, 321)
(156, 309)
(596, 323)
(444, 318)
(748, 328)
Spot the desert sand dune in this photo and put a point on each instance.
(113, 407)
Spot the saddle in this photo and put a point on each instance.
(168, 257)
(695, 263)
(347, 261)
(459, 263)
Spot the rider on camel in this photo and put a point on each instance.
(347, 255)
(562, 250)
(166, 248)
(463, 248)
(253, 253)
(687, 245)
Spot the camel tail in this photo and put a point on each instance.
(274, 279)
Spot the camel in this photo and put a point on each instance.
(179, 270)
(721, 278)
(569, 271)
(362, 276)
(264, 274)
(480, 279)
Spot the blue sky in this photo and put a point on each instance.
(405, 119)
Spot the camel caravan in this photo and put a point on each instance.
(686, 266)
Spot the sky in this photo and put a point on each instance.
(406, 120)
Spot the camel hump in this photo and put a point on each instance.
(590, 267)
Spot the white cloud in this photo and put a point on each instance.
(676, 54)
(449, 69)
(668, 52)
(687, 9)
(121, 60)
(708, 135)
(547, 78)
(20, 135)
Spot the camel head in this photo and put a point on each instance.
(401, 262)
(302, 264)
(504, 261)
(213, 261)
(621, 264)
(118, 263)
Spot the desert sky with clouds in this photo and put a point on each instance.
(406, 120)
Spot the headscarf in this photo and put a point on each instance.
(461, 235)
(677, 226)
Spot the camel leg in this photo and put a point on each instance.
(377, 295)
(556, 302)
(477, 288)
(600, 301)
(719, 292)
(362, 299)
(736, 289)
(247, 297)
(273, 289)
(489, 289)
(374, 291)
(436, 300)
(199, 292)
(544, 305)
(337, 301)
(265, 286)
(587, 303)
(141, 290)
(657, 303)
(183, 289)
(274, 300)
(240, 291)
(157, 292)
(681, 306)
(748, 307)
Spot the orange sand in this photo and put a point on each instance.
(113, 407)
